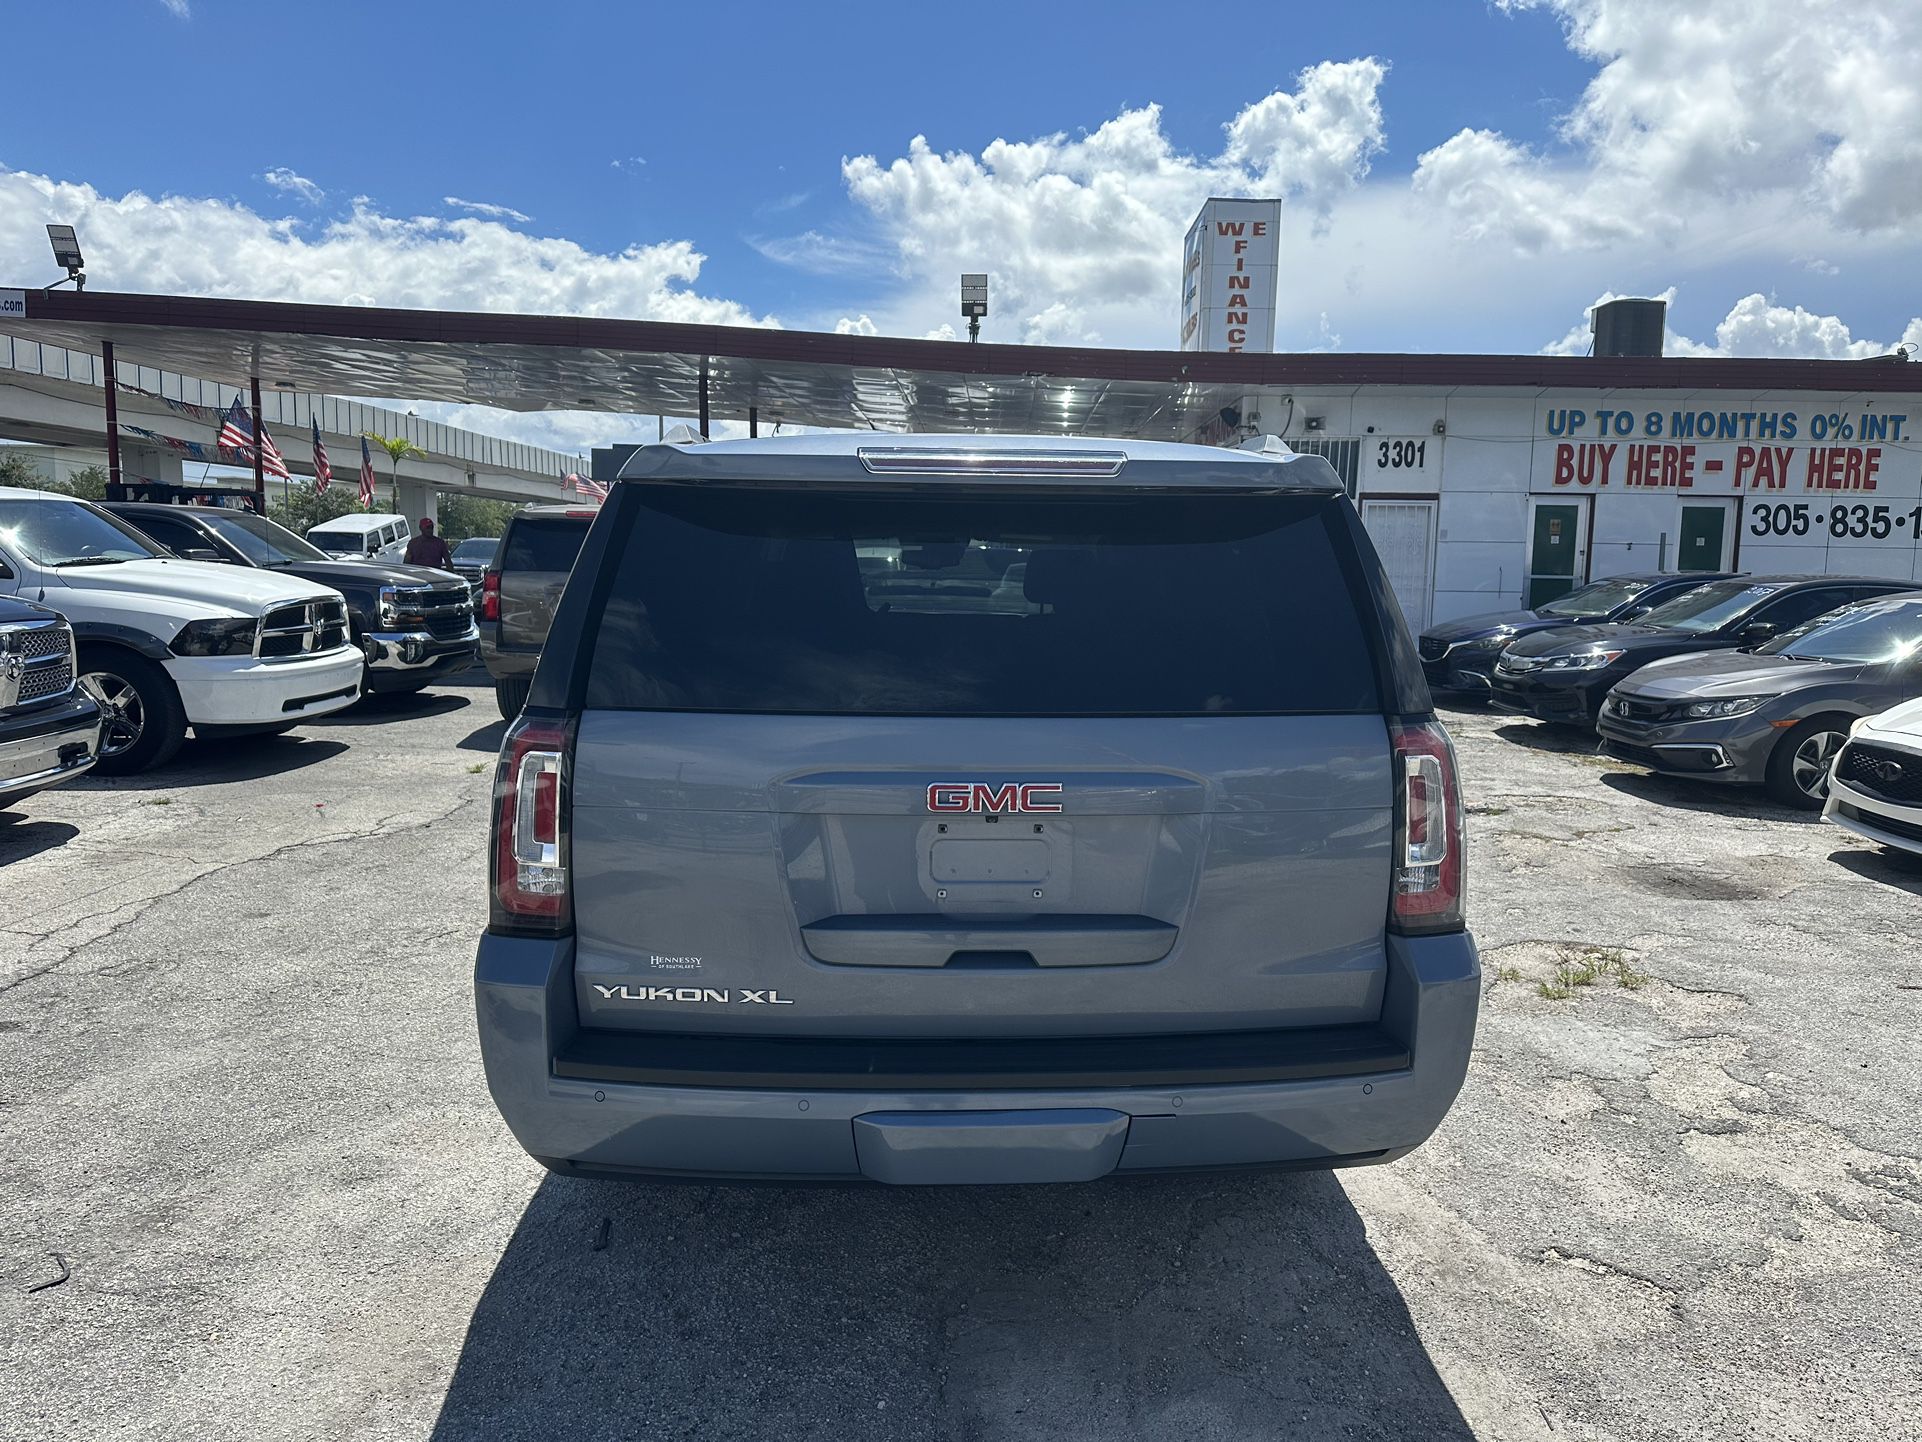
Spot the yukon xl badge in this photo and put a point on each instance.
(951, 796)
(719, 996)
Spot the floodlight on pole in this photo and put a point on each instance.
(974, 302)
(66, 255)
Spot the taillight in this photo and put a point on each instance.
(491, 596)
(531, 800)
(1429, 871)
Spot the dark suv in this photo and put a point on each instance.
(975, 809)
(414, 624)
(519, 592)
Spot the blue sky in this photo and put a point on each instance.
(1456, 176)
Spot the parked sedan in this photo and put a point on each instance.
(1776, 716)
(1564, 674)
(1457, 655)
(49, 728)
(1876, 788)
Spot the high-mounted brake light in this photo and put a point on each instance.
(491, 596)
(531, 823)
(1429, 872)
(921, 461)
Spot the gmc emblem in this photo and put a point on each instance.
(948, 796)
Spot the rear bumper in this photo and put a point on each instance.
(968, 1129)
(45, 745)
(505, 663)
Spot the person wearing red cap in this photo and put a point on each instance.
(428, 549)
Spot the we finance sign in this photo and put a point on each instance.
(1230, 265)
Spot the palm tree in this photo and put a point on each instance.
(397, 450)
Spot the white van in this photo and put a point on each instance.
(363, 535)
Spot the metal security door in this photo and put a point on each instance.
(1704, 537)
(1404, 534)
(1557, 550)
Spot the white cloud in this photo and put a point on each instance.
(179, 9)
(197, 246)
(1815, 104)
(1756, 326)
(281, 178)
(482, 207)
(1077, 230)
(820, 254)
(856, 325)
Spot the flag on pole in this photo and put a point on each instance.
(366, 474)
(323, 473)
(237, 435)
(585, 486)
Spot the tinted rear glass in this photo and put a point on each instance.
(544, 545)
(759, 601)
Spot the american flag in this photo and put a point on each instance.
(323, 473)
(585, 486)
(237, 435)
(366, 474)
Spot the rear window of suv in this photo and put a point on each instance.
(540, 544)
(750, 600)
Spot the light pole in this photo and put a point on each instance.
(974, 302)
(66, 255)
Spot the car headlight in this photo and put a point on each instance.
(1580, 661)
(1484, 643)
(387, 609)
(217, 638)
(1727, 706)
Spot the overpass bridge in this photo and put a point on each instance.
(52, 395)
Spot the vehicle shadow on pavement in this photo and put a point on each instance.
(1685, 795)
(21, 837)
(1890, 868)
(1550, 736)
(221, 761)
(488, 738)
(1244, 1306)
(379, 710)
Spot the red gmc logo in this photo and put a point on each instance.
(979, 796)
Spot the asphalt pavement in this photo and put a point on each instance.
(241, 1111)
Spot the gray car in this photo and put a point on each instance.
(520, 588)
(974, 809)
(1774, 716)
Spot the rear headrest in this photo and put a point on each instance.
(1056, 573)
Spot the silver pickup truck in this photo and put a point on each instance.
(519, 591)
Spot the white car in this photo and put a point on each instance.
(164, 644)
(1875, 789)
(363, 535)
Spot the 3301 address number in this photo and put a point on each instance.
(1401, 455)
(1843, 522)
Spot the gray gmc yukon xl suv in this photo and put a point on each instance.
(925, 809)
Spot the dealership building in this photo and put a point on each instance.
(1486, 481)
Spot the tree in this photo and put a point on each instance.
(463, 516)
(398, 450)
(21, 472)
(89, 483)
(299, 508)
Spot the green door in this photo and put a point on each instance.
(1553, 555)
(1703, 528)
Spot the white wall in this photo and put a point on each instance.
(1497, 450)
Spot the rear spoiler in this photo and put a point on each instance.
(1039, 468)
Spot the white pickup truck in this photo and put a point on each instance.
(165, 644)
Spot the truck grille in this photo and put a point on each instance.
(36, 662)
(1433, 648)
(303, 628)
(444, 612)
(1882, 771)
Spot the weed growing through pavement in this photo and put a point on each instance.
(477, 768)
(1581, 966)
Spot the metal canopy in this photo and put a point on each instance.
(529, 363)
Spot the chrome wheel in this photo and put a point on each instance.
(125, 717)
(1809, 766)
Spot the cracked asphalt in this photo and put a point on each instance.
(240, 1104)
